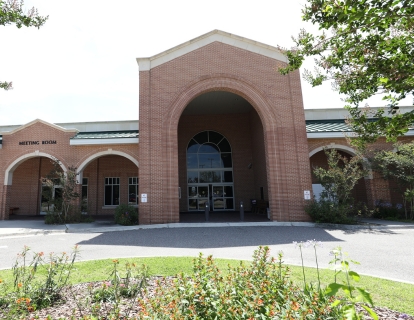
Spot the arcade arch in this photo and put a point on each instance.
(108, 178)
(318, 158)
(215, 125)
(23, 180)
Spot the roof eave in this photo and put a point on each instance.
(148, 63)
(103, 141)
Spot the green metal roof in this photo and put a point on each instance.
(327, 126)
(107, 134)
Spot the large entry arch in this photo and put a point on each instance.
(168, 86)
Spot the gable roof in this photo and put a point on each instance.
(205, 39)
(39, 121)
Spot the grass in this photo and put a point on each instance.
(385, 293)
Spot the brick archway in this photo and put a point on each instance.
(8, 179)
(269, 119)
(8, 176)
(97, 155)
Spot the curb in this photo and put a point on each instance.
(31, 232)
(242, 224)
(97, 229)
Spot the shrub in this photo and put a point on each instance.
(126, 215)
(385, 210)
(326, 211)
(260, 290)
(74, 215)
(37, 282)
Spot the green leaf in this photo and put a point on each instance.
(354, 276)
(333, 288)
(371, 312)
(349, 312)
(366, 297)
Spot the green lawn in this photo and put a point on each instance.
(394, 295)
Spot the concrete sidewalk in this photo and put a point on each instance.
(13, 228)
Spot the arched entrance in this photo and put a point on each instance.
(268, 140)
(108, 178)
(317, 158)
(221, 153)
(26, 194)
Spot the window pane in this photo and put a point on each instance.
(202, 203)
(209, 161)
(203, 192)
(224, 146)
(228, 176)
(218, 191)
(84, 181)
(192, 192)
(132, 194)
(192, 146)
(84, 192)
(228, 191)
(108, 195)
(192, 161)
(214, 137)
(226, 160)
(192, 176)
(210, 176)
(229, 203)
(115, 194)
(208, 148)
(192, 204)
(201, 137)
(219, 204)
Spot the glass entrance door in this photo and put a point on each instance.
(222, 197)
(50, 199)
(198, 196)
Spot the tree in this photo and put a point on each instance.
(365, 47)
(336, 204)
(11, 12)
(398, 164)
(67, 182)
(341, 176)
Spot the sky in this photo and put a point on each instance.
(81, 65)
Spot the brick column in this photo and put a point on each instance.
(377, 189)
(5, 202)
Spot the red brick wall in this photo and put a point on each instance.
(167, 89)
(24, 191)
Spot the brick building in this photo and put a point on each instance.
(218, 125)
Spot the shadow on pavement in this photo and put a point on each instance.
(210, 237)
